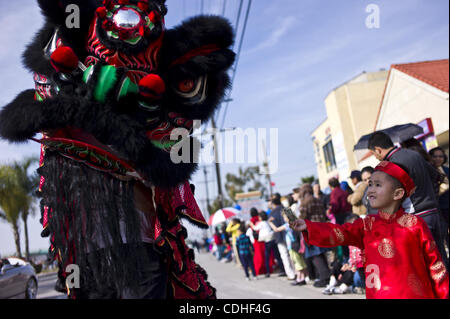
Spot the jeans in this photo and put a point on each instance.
(247, 262)
(358, 278)
(219, 252)
(270, 247)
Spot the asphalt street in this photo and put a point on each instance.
(46, 284)
(229, 280)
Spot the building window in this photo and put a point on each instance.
(330, 160)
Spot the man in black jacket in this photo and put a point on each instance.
(423, 201)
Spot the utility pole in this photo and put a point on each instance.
(216, 157)
(266, 166)
(205, 172)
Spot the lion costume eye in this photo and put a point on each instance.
(186, 86)
(192, 91)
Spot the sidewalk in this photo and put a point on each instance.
(229, 280)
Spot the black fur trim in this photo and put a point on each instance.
(55, 12)
(34, 58)
(21, 119)
(194, 33)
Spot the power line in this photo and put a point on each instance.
(224, 7)
(237, 57)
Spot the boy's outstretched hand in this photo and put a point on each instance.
(298, 225)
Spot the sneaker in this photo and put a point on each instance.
(358, 290)
(282, 274)
(246, 278)
(342, 289)
(328, 291)
(267, 275)
(320, 283)
(298, 283)
(293, 278)
(308, 281)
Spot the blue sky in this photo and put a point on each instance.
(295, 52)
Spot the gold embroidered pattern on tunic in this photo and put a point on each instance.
(339, 236)
(386, 216)
(438, 271)
(407, 220)
(386, 248)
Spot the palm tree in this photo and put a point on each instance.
(12, 197)
(29, 184)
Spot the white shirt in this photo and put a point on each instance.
(265, 231)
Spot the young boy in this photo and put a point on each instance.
(401, 259)
(245, 250)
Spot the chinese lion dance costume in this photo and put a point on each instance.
(108, 96)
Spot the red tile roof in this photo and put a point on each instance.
(435, 72)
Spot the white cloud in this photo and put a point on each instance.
(274, 37)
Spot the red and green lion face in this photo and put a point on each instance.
(122, 82)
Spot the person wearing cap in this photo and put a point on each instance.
(423, 202)
(356, 198)
(400, 255)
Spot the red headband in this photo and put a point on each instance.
(399, 174)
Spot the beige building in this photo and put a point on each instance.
(416, 93)
(351, 112)
(407, 93)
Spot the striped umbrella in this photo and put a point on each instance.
(222, 215)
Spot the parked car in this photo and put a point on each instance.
(17, 279)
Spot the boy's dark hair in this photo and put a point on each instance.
(263, 215)
(334, 182)
(236, 220)
(368, 169)
(380, 139)
(242, 228)
(253, 212)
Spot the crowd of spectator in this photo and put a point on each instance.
(266, 245)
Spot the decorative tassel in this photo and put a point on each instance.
(101, 12)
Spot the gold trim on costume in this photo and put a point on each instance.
(438, 271)
(386, 248)
(407, 220)
(339, 235)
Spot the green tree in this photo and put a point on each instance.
(215, 205)
(308, 179)
(247, 180)
(12, 199)
(29, 183)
